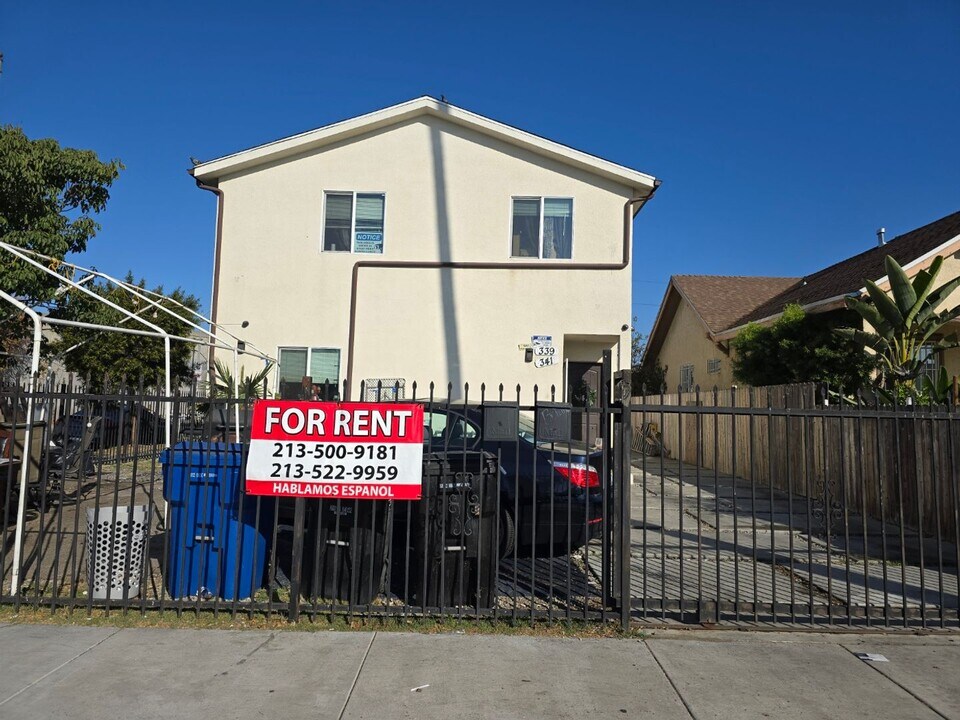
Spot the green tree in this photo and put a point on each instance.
(95, 354)
(801, 348)
(904, 322)
(48, 196)
(647, 377)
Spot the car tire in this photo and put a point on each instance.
(508, 535)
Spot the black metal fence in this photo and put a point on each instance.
(98, 512)
(787, 505)
(694, 508)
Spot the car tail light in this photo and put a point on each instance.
(578, 474)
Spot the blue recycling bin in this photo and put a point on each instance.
(216, 546)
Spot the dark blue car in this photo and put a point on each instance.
(551, 495)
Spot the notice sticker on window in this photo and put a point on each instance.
(366, 451)
(368, 242)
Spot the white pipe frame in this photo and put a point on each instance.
(17, 252)
(143, 292)
(27, 438)
(220, 328)
(155, 331)
(137, 292)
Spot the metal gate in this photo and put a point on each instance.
(796, 507)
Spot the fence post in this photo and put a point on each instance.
(608, 573)
(622, 474)
(296, 562)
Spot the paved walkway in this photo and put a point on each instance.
(77, 673)
(706, 536)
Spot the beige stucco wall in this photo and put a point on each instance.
(448, 197)
(949, 270)
(686, 343)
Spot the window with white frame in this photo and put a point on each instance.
(353, 222)
(320, 364)
(930, 359)
(713, 366)
(542, 227)
(686, 378)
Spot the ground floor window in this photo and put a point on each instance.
(686, 378)
(322, 365)
(931, 362)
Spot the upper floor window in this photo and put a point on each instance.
(353, 222)
(542, 228)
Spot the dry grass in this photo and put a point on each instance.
(207, 619)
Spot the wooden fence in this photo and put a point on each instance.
(849, 460)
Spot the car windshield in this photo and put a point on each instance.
(526, 429)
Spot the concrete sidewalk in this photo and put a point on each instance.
(76, 672)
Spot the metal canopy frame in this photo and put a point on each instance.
(212, 340)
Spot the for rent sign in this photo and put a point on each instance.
(352, 451)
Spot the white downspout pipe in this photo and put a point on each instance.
(27, 439)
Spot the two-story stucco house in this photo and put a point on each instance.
(426, 243)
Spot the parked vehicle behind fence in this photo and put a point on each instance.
(551, 496)
(120, 421)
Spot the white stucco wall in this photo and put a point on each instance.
(448, 197)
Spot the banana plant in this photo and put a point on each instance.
(905, 321)
(938, 390)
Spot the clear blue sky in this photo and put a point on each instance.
(784, 133)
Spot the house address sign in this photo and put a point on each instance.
(544, 352)
(371, 451)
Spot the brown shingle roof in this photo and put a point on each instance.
(722, 300)
(847, 276)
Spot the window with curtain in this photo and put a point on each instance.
(293, 364)
(368, 234)
(526, 227)
(542, 228)
(325, 365)
(321, 364)
(337, 222)
(353, 222)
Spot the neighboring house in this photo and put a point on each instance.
(701, 314)
(542, 229)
